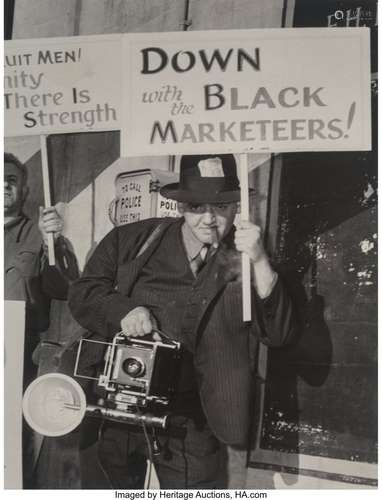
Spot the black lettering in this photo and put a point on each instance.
(169, 129)
(29, 118)
(262, 97)
(234, 100)
(175, 62)
(297, 126)
(44, 57)
(7, 101)
(205, 132)
(315, 128)
(282, 100)
(333, 128)
(70, 56)
(226, 132)
(309, 96)
(218, 94)
(263, 128)
(84, 96)
(244, 56)
(216, 56)
(146, 70)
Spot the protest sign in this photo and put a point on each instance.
(246, 91)
(62, 85)
(231, 90)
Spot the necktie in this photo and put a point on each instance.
(199, 261)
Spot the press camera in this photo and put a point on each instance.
(135, 386)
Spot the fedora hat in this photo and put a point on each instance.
(205, 179)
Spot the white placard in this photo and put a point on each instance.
(62, 85)
(305, 89)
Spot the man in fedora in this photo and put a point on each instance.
(183, 277)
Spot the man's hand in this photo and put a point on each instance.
(248, 240)
(50, 222)
(139, 322)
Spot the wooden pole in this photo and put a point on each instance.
(244, 215)
(47, 194)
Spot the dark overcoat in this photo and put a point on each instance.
(224, 347)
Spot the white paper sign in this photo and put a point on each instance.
(62, 85)
(247, 91)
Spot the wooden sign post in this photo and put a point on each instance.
(47, 194)
(244, 215)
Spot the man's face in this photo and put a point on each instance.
(209, 222)
(14, 189)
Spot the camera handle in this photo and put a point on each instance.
(164, 336)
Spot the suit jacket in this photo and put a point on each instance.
(224, 347)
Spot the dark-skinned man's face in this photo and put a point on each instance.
(14, 189)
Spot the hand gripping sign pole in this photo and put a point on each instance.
(244, 215)
(47, 194)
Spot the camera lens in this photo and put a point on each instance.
(133, 367)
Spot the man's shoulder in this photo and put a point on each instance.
(130, 236)
(145, 226)
(28, 235)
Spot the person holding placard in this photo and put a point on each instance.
(187, 283)
(27, 274)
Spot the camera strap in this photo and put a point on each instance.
(152, 237)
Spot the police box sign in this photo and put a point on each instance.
(138, 197)
(133, 200)
(166, 207)
(247, 91)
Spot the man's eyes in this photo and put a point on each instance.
(202, 208)
(194, 208)
(11, 180)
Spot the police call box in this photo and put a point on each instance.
(138, 197)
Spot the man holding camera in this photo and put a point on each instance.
(182, 276)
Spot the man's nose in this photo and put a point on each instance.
(209, 214)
